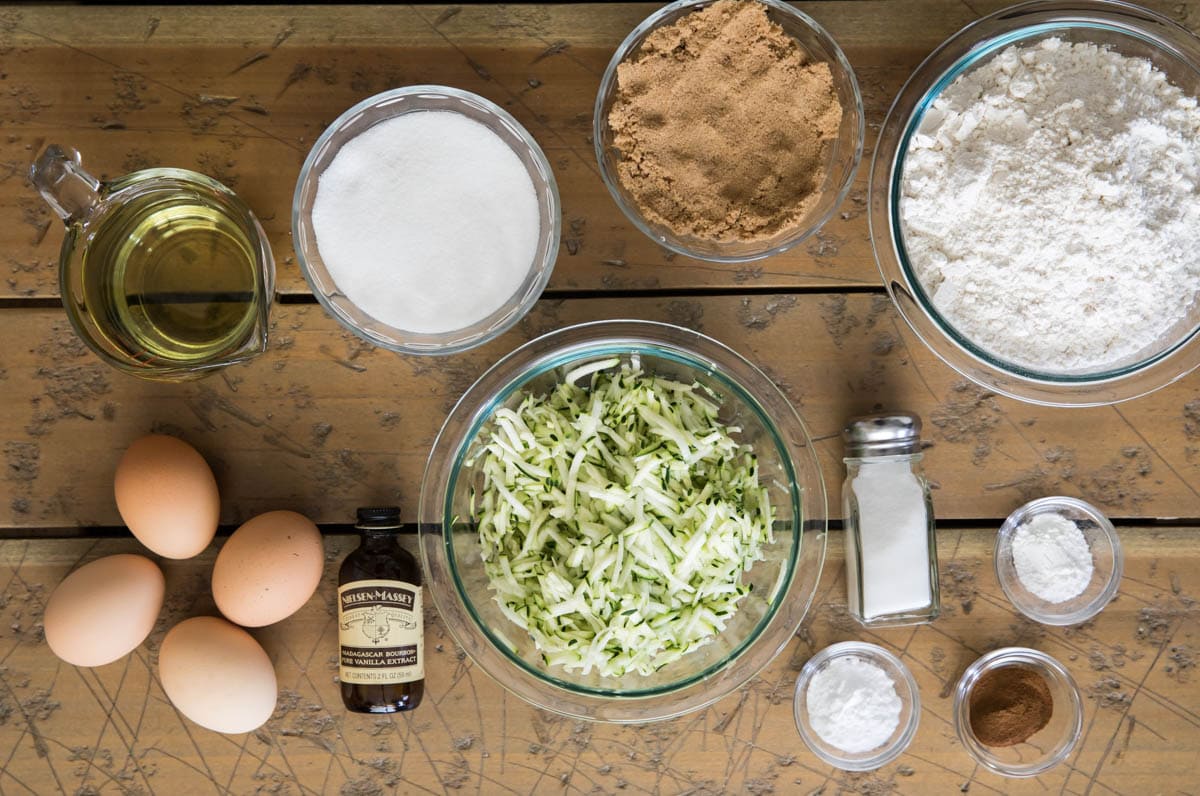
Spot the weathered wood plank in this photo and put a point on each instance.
(323, 422)
(241, 93)
(110, 729)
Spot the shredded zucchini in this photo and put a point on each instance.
(616, 520)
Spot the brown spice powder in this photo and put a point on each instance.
(723, 125)
(1008, 705)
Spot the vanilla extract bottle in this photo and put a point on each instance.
(380, 629)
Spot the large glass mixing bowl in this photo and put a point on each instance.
(784, 582)
(1122, 27)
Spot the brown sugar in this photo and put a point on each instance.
(724, 125)
(1008, 705)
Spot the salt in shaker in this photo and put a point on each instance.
(891, 553)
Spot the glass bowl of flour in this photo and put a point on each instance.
(426, 220)
(1058, 560)
(1035, 202)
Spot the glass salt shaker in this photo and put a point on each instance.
(891, 553)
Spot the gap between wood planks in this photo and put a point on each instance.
(412, 528)
(54, 302)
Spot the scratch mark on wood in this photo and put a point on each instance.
(587, 161)
(109, 706)
(201, 412)
(284, 34)
(1128, 736)
(233, 410)
(298, 73)
(724, 722)
(285, 444)
(258, 56)
(217, 99)
(478, 68)
(554, 49)
(39, 743)
(260, 130)
(42, 229)
(151, 25)
(345, 363)
(1153, 450)
(447, 15)
(1092, 780)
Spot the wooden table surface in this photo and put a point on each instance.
(323, 423)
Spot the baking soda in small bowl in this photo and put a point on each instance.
(427, 221)
(1052, 557)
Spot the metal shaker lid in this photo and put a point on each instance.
(886, 434)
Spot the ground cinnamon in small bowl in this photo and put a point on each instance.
(724, 125)
(1009, 705)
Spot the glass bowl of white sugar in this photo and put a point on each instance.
(426, 220)
(1058, 560)
(1035, 202)
(856, 706)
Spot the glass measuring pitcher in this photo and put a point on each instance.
(164, 273)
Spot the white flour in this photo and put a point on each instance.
(852, 704)
(1051, 206)
(1052, 558)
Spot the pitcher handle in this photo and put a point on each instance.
(63, 183)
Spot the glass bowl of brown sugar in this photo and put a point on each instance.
(1018, 712)
(728, 131)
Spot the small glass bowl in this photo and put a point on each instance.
(906, 689)
(1046, 748)
(1122, 27)
(844, 154)
(388, 105)
(1107, 562)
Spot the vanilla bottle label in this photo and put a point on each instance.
(380, 632)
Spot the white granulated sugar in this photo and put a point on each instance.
(428, 222)
(852, 704)
(1051, 206)
(1052, 558)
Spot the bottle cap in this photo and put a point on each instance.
(887, 434)
(379, 517)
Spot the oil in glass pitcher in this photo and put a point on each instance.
(165, 273)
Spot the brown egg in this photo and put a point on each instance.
(104, 609)
(167, 496)
(217, 675)
(268, 569)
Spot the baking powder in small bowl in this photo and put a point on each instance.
(853, 705)
(856, 705)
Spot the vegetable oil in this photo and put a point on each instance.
(170, 277)
(165, 273)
